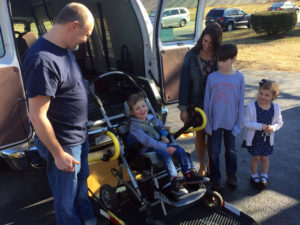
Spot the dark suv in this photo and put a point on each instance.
(229, 18)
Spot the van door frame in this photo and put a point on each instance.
(175, 45)
(10, 62)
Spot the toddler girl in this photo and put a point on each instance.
(261, 119)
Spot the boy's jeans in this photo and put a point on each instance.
(71, 202)
(179, 154)
(214, 149)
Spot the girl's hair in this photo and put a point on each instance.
(269, 85)
(134, 98)
(214, 30)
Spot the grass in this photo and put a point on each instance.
(255, 52)
(259, 52)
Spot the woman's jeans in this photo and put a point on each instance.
(180, 154)
(69, 189)
(214, 149)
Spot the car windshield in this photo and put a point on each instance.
(215, 13)
(278, 4)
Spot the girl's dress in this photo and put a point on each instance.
(261, 141)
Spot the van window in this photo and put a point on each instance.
(181, 25)
(48, 25)
(1, 45)
(19, 27)
(34, 29)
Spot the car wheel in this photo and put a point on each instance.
(230, 27)
(182, 23)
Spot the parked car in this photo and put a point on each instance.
(278, 6)
(173, 17)
(228, 18)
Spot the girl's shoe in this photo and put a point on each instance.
(264, 181)
(255, 181)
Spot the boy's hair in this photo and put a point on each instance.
(269, 85)
(134, 98)
(227, 51)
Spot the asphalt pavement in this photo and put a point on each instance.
(279, 203)
(25, 198)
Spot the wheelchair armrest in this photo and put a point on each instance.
(152, 157)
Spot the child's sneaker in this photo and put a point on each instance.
(176, 187)
(193, 177)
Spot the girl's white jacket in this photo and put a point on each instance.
(251, 124)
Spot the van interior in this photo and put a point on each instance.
(115, 44)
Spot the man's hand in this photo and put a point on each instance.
(66, 162)
(170, 150)
(184, 116)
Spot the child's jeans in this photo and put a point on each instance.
(180, 154)
(214, 148)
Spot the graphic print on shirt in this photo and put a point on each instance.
(224, 92)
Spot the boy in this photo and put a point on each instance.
(223, 105)
(146, 128)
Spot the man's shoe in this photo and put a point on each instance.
(177, 187)
(232, 181)
(193, 177)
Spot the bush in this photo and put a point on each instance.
(273, 22)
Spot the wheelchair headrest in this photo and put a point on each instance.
(126, 109)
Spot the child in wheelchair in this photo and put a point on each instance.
(147, 129)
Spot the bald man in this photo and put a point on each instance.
(57, 99)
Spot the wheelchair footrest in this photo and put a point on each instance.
(190, 198)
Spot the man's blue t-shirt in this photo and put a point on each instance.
(50, 70)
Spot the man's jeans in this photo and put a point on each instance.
(179, 154)
(71, 202)
(214, 148)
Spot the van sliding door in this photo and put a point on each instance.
(14, 119)
(177, 27)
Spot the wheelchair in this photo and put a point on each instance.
(141, 178)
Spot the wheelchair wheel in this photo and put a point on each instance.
(108, 198)
(212, 200)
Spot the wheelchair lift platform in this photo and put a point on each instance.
(193, 214)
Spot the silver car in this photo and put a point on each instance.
(173, 17)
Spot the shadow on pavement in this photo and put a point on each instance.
(25, 198)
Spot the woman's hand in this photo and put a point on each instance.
(170, 150)
(184, 116)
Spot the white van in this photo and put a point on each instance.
(123, 39)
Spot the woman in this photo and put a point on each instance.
(198, 63)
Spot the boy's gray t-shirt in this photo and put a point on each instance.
(224, 101)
